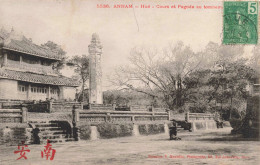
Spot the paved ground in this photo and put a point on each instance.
(194, 148)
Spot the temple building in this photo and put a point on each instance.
(27, 71)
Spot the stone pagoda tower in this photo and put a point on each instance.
(95, 71)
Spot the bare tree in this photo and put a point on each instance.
(159, 74)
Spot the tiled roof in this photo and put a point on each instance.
(19, 43)
(38, 78)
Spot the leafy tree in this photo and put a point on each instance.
(198, 91)
(57, 49)
(81, 68)
(54, 47)
(178, 76)
(230, 83)
(126, 98)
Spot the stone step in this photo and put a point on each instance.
(49, 128)
(52, 132)
(69, 139)
(39, 121)
(61, 136)
(46, 125)
(61, 140)
(57, 140)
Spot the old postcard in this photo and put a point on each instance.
(129, 82)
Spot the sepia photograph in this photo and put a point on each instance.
(98, 82)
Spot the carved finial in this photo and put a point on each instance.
(13, 35)
(95, 41)
(95, 36)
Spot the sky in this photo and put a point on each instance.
(71, 24)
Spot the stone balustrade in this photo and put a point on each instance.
(95, 117)
(13, 115)
(199, 116)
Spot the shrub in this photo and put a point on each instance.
(107, 130)
(147, 129)
(143, 130)
(235, 123)
(85, 132)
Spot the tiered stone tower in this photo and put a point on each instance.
(95, 80)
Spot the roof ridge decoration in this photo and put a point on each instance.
(18, 42)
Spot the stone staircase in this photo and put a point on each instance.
(50, 130)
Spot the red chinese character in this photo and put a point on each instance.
(47, 151)
(22, 151)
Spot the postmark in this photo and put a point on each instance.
(240, 24)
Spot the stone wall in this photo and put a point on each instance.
(148, 129)
(8, 89)
(14, 134)
(64, 106)
(84, 132)
(62, 116)
(110, 130)
(202, 121)
(115, 130)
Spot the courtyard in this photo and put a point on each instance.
(203, 147)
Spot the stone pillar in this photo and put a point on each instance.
(133, 119)
(114, 106)
(81, 105)
(21, 59)
(50, 102)
(95, 78)
(169, 115)
(131, 108)
(75, 120)
(29, 92)
(187, 116)
(108, 117)
(75, 114)
(193, 126)
(49, 92)
(61, 93)
(5, 58)
(135, 131)
(153, 110)
(166, 129)
(24, 115)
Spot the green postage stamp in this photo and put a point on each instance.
(240, 22)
